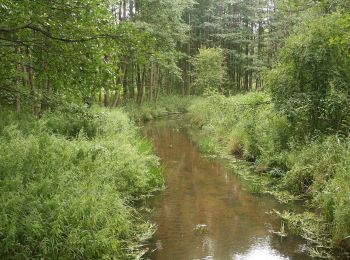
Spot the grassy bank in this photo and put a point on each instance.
(165, 105)
(69, 182)
(285, 163)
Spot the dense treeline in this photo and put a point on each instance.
(76, 49)
(129, 49)
(134, 50)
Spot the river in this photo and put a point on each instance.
(205, 212)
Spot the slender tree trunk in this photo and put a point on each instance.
(117, 83)
(116, 99)
(131, 8)
(31, 85)
(120, 15)
(100, 96)
(139, 84)
(125, 82)
(246, 72)
(106, 98)
(132, 85)
(143, 84)
(18, 83)
(124, 9)
(45, 100)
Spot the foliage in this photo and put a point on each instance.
(73, 197)
(79, 48)
(246, 124)
(310, 84)
(209, 70)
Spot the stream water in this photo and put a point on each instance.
(205, 211)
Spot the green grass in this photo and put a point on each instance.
(68, 185)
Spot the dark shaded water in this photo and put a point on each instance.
(205, 212)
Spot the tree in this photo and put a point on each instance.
(209, 70)
(311, 82)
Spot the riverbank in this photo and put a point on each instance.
(247, 127)
(69, 182)
(163, 107)
(205, 211)
(267, 151)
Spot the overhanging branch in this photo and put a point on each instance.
(57, 38)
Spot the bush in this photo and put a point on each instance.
(71, 120)
(73, 198)
(312, 166)
(310, 84)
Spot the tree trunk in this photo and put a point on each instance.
(100, 96)
(139, 84)
(106, 98)
(30, 82)
(116, 99)
(45, 100)
(18, 95)
(125, 83)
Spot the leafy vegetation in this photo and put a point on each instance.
(283, 66)
(311, 83)
(209, 70)
(67, 192)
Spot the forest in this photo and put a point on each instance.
(262, 82)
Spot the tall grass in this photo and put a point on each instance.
(245, 125)
(68, 190)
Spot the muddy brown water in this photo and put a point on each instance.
(205, 211)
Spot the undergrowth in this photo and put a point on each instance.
(68, 185)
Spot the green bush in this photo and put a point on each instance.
(310, 84)
(73, 198)
(321, 172)
(71, 120)
(312, 166)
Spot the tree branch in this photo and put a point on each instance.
(53, 37)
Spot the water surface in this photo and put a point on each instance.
(205, 211)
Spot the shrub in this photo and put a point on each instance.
(310, 83)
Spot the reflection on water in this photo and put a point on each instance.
(205, 213)
(260, 249)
